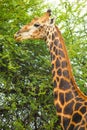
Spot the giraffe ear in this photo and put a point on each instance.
(52, 20)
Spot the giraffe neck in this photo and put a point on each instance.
(65, 88)
(61, 69)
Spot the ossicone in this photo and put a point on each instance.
(49, 11)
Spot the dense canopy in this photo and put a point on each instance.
(26, 88)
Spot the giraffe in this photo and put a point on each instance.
(70, 102)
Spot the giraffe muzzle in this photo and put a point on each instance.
(17, 36)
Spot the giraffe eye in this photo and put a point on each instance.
(36, 24)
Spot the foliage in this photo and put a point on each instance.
(26, 99)
(73, 24)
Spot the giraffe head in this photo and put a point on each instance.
(36, 29)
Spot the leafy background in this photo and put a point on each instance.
(26, 90)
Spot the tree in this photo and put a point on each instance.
(26, 99)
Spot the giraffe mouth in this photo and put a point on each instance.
(18, 37)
